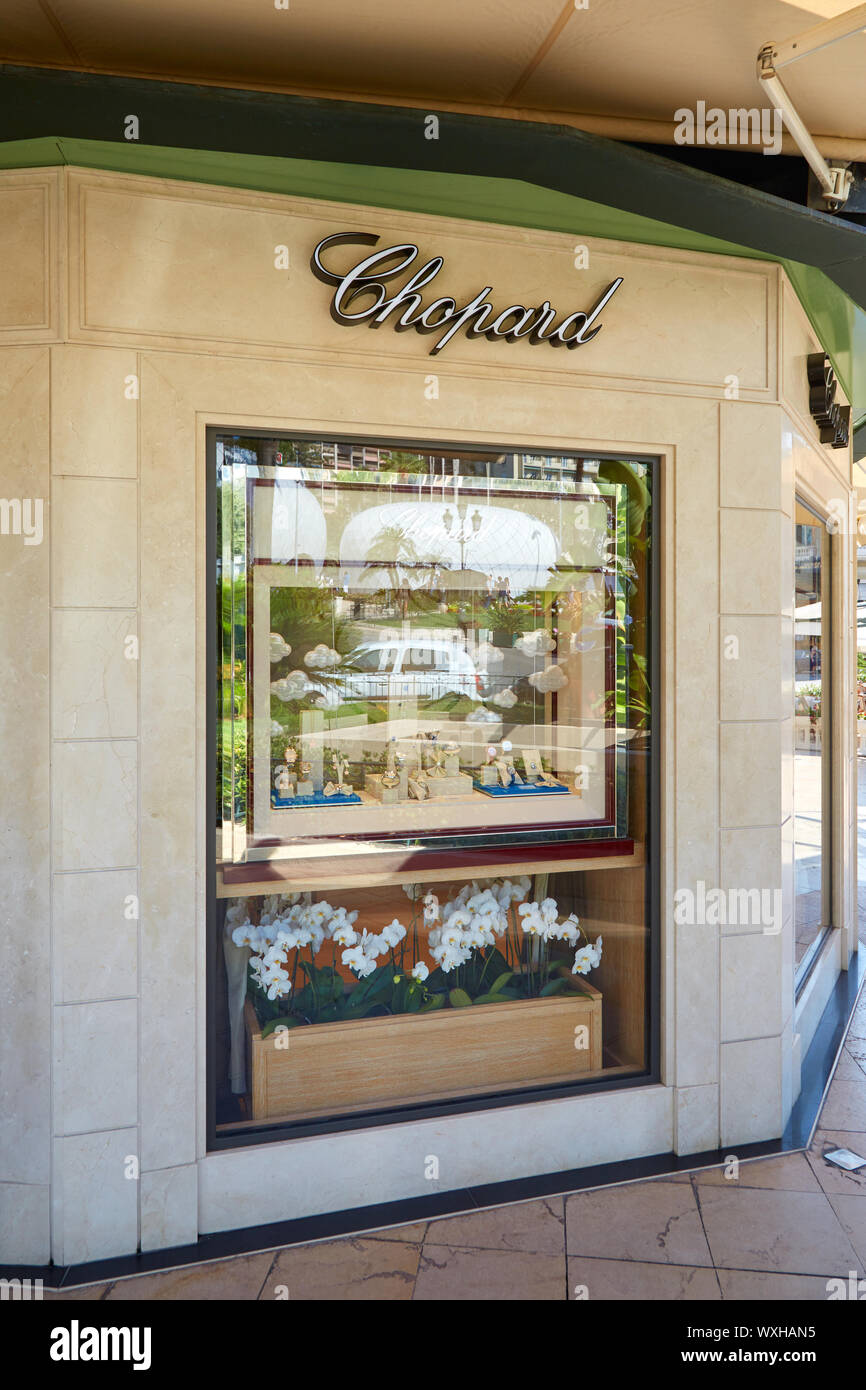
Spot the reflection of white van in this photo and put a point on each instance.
(402, 669)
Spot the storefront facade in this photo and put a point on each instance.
(179, 388)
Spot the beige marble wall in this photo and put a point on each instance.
(177, 319)
(25, 884)
(95, 801)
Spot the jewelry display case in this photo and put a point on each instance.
(432, 659)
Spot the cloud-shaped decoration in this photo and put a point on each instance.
(321, 657)
(279, 647)
(554, 678)
(505, 699)
(536, 643)
(489, 656)
(294, 686)
(483, 716)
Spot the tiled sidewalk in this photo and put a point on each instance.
(780, 1230)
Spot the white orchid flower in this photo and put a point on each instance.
(246, 935)
(358, 961)
(583, 961)
(451, 935)
(569, 930)
(371, 944)
(393, 934)
(276, 981)
(431, 909)
(531, 919)
(450, 957)
(420, 971)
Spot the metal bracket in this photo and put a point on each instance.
(835, 180)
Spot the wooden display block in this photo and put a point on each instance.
(389, 796)
(459, 785)
(408, 1058)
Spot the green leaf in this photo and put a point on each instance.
(287, 1021)
(437, 980)
(436, 1001)
(370, 990)
(497, 965)
(553, 987)
(459, 999)
(501, 981)
(490, 998)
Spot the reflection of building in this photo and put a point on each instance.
(420, 536)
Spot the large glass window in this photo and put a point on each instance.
(432, 742)
(811, 733)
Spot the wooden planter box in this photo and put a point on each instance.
(407, 1058)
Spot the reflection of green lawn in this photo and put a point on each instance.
(421, 620)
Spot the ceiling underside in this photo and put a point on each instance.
(640, 59)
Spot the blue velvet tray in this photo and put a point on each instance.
(317, 799)
(519, 790)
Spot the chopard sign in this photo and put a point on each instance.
(405, 307)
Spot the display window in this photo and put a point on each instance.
(432, 742)
(812, 760)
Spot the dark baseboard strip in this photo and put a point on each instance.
(817, 1067)
(816, 1073)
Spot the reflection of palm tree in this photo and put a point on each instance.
(395, 552)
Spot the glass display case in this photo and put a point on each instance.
(420, 655)
(432, 725)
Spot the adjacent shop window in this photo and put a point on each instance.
(432, 742)
(811, 733)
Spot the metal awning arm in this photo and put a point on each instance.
(835, 179)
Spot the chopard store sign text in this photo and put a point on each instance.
(361, 296)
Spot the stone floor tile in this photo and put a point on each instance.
(412, 1234)
(785, 1232)
(654, 1221)
(831, 1178)
(495, 1276)
(850, 1208)
(845, 1106)
(531, 1226)
(637, 1279)
(790, 1172)
(744, 1285)
(238, 1279)
(354, 1268)
(857, 1026)
(848, 1068)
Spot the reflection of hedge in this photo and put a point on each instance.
(618, 471)
(239, 762)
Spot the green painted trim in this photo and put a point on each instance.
(839, 323)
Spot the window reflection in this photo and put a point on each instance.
(379, 600)
(811, 730)
(433, 759)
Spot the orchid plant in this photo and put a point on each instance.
(287, 928)
(488, 944)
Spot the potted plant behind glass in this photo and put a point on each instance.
(500, 1007)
